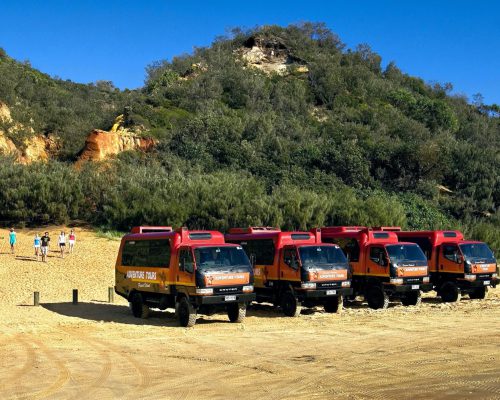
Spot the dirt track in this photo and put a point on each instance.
(97, 350)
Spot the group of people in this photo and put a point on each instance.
(42, 243)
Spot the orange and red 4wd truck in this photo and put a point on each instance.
(457, 266)
(294, 269)
(383, 267)
(191, 271)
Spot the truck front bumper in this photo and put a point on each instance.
(318, 293)
(224, 299)
(465, 284)
(425, 287)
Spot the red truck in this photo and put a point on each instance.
(195, 272)
(294, 269)
(457, 266)
(382, 266)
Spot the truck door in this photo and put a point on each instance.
(377, 262)
(289, 264)
(185, 274)
(450, 259)
(254, 252)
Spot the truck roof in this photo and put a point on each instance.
(364, 234)
(181, 236)
(436, 237)
(281, 238)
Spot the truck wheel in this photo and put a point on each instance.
(413, 298)
(334, 304)
(450, 292)
(290, 304)
(479, 293)
(139, 309)
(186, 313)
(236, 312)
(377, 298)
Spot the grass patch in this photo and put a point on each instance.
(109, 234)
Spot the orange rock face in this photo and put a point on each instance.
(102, 144)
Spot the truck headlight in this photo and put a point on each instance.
(494, 275)
(470, 277)
(205, 291)
(396, 281)
(426, 279)
(308, 285)
(346, 284)
(248, 288)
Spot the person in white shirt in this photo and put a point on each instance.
(62, 243)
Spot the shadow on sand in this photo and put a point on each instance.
(121, 314)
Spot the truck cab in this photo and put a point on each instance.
(295, 269)
(383, 267)
(191, 271)
(457, 266)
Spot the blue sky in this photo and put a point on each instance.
(440, 41)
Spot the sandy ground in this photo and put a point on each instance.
(97, 350)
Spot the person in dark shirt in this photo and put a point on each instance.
(45, 239)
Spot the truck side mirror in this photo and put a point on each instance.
(460, 259)
(294, 263)
(252, 259)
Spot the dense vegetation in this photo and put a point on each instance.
(346, 142)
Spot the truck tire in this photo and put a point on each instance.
(413, 298)
(236, 312)
(290, 304)
(377, 298)
(186, 313)
(450, 292)
(334, 304)
(139, 309)
(479, 293)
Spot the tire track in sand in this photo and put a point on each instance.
(63, 377)
(104, 373)
(143, 372)
(26, 367)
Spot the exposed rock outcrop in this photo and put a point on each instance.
(100, 145)
(34, 148)
(39, 148)
(270, 55)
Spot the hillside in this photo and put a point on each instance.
(280, 126)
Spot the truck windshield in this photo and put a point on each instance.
(221, 258)
(477, 251)
(322, 257)
(405, 252)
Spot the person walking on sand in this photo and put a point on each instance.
(12, 240)
(36, 244)
(62, 243)
(45, 239)
(72, 240)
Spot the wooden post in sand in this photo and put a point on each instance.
(36, 298)
(110, 294)
(75, 297)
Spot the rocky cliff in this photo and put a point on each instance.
(99, 144)
(269, 55)
(102, 144)
(33, 148)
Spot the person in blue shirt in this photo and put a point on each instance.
(36, 243)
(12, 240)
